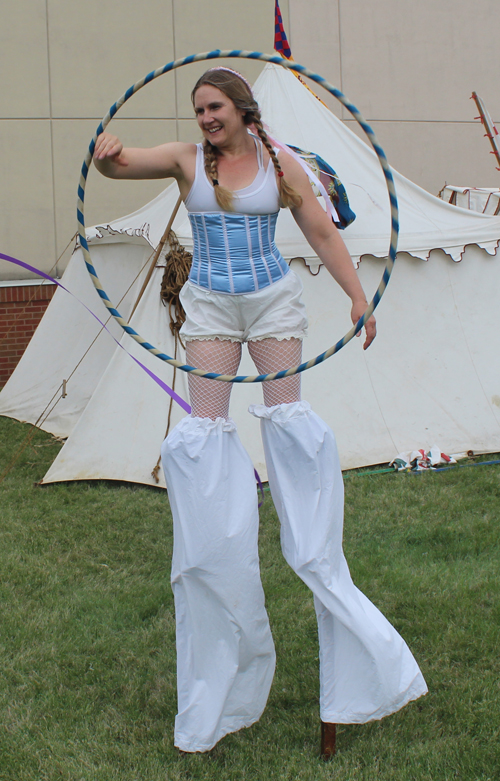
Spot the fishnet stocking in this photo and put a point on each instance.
(210, 398)
(272, 355)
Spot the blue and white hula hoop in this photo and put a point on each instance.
(294, 66)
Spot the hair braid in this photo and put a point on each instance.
(223, 196)
(237, 89)
(288, 196)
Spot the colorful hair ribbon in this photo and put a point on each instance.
(339, 220)
(334, 187)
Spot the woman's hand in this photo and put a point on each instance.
(357, 311)
(110, 147)
(174, 159)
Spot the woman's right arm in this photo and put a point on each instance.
(160, 162)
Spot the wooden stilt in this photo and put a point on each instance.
(328, 735)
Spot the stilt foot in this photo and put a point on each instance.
(328, 735)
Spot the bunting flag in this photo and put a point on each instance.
(280, 39)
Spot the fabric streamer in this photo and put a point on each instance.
(163, 385)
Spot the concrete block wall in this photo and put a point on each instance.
(65, 64)
(409, 67)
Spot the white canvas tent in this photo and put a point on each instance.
(431, 376)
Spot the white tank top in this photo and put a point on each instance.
(260, 197)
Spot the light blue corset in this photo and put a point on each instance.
(235, 253)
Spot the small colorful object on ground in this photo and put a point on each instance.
(418, 460)
(290, 65)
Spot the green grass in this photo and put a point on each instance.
(87, 646)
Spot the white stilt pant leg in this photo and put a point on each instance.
(225, 652)
(366, 668)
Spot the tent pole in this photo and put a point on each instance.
(157, 254)
(491, 131)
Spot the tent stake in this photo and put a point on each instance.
(157, 253)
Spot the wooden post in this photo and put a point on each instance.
(328, 736)
(491, 131)
(157, 254)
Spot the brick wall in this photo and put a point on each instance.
(21, 309)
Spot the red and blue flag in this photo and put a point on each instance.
(280, 39)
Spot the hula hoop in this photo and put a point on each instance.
(294, 66)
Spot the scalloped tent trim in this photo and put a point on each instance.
(295, 116)
(431, 376)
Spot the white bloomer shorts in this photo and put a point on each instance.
(277, 311)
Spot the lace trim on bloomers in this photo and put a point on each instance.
(225, 338)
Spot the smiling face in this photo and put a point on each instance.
(219, 119)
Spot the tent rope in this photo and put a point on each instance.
(34, 426)
(157, 253)
(177, 338)
(43, 282)
(177, 266)
(61, 391)
(94, 340)
(293, 66)
(109, 318)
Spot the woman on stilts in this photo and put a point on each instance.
(240, 289)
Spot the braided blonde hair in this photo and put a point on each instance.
(237, 89)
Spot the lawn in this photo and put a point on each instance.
(87, 648)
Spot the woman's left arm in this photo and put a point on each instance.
(326, 241)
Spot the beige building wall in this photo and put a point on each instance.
(63, 64)
(409, 67)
